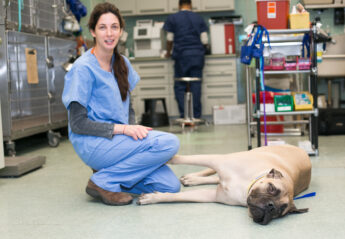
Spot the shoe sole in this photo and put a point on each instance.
(95, 194)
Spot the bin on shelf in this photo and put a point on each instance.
(273, 14)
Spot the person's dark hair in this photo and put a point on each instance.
(182, 2)
(119, 67)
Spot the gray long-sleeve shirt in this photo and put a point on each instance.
(81, 124)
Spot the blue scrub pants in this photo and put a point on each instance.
(189, 66)
(136, 166)
(195, 88)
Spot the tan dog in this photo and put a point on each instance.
(264, 179)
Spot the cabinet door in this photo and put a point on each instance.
(217, 5)
(126, 7)
(152, 6)
(173, 5)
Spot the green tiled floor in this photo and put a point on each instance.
(51, 202)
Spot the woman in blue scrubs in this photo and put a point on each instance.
(125, 158)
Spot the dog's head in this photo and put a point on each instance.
(271, 197)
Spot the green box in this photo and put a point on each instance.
(283, 103)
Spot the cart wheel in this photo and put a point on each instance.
(53, 139)
(10, 148)
(11, 152)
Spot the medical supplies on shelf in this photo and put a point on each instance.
(302, 100)
(278, 62)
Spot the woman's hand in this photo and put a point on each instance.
(135, 131)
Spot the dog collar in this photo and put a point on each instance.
(254, 181)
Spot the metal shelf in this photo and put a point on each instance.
(272, 72)
(302, 112)
(288, 31)
(324, 6)
(253, 123)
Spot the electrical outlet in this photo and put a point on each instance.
(339, 16)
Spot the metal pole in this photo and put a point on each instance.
(314, 117)
(249, 108)
(257, 82)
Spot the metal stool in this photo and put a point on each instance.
(188, 104)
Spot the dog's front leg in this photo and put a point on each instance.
(200, 195)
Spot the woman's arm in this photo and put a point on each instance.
(81, 124)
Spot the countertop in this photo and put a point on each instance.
(135, 59)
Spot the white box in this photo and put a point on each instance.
(229, 114)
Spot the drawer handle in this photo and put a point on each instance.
(152, 78)
(151, 67)
(152, 88)
(218, 7)
(220, 86)
(221, 74)
(153, 10)
(126, 11)
(220, 97)
(219, 64)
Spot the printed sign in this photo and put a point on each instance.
(271, 10)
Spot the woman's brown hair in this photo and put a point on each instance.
(119, 67)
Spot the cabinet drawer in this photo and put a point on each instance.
(226, 76)
(149, 68)
(159, 79)
(222, 87)
(220, 65)
(210, 100)
(149, 90)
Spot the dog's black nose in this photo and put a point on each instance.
(270, 207)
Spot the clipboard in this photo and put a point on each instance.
(31, 65)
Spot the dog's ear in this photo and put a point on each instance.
(274, 174)
(294, 210)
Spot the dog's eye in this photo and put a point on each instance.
(282, 208)
(271, 188)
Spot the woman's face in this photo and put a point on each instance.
(107, 32)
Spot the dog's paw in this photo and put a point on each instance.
(148, 198)
(188, 180)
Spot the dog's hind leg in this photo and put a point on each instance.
(199, 178)
(200, 195)
(188, 180)
(206, 160)
(202, 173)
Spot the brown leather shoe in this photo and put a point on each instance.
(107, 197)
(94, 170)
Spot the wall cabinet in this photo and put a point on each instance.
(173, 5)
(149, 7)
(127, 7)
(154, 7)
(217, 5)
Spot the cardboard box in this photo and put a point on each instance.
(229, 114)
(299, 20)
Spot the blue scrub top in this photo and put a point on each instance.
(187, 27)
(97, 90)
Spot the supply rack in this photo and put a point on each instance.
(253, 115)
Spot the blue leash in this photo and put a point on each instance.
(306, 195)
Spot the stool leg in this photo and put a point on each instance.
(187, 98)
(191, 110)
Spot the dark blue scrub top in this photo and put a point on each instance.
(187, 27)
